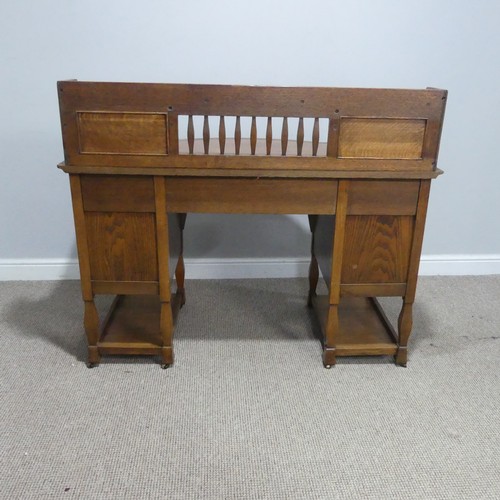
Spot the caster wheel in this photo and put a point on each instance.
(327, 366)
(165, 366)
(91, 365)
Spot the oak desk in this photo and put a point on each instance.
(358, 162)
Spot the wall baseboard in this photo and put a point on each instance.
(64, 269)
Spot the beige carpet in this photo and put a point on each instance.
(248, 411)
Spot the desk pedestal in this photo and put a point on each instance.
(366, 243)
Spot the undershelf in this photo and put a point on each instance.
(132, 325)
(363, 327)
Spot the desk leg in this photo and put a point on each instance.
(166, 330)
(91, 325)
(179, 270)
(166, 317)
(313, 266)
(332, 327)
(405, 320)
(332, 324)
(90, 315)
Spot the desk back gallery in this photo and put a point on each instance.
(358, 162)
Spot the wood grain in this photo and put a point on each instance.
(115, 193)
(315, 137)
(383, 197)
(284, 136)
(300, 136)
(253, 135)
(372, 289)
(381, 138)
(122, 133)
(361, 330)
(190, 134)
(280, 173)
(377, 249)
(365, 189)
(222, 135)
(269, 135)
(81, 237)
(323, 245)
(228, 195)
(122, 246)
(237, 136)
(206, 135)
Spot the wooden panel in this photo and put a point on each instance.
(362, 329)
(234, 100)
(122, 246)
(95, 99)
(123, 133)
(134, 321)
(273, 172)
(81, 236)
(113, 193)
(133, 325)
(162, 238)
(381, 138)
(174, 243)
(125, 287)
(373, 290)
(323, 245)
(339, 242)
(225, 195)
(383, 197)
(377, 249)
(423, 200)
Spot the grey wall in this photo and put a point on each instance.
(414, 43)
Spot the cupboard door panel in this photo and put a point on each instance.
(122, 246)
(377, 249)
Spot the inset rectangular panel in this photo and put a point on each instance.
(122, 246)
(381, 138)
(257, 196)
(377, 249)
(392, 197)
(122, 133)
(118, 193)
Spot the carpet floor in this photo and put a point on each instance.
(248, 411)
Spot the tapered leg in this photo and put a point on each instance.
(166, 330)
(91, 325)
(332, 327)
(313, 266)
(179, 270)
(405, 322)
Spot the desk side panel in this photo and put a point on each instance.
(120, 224)
(379, 234)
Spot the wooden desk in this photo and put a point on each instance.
(358, 162)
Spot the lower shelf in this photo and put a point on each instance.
(133, 325)
(363, 327)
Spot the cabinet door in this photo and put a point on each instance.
(379, 231)
(121, 228)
